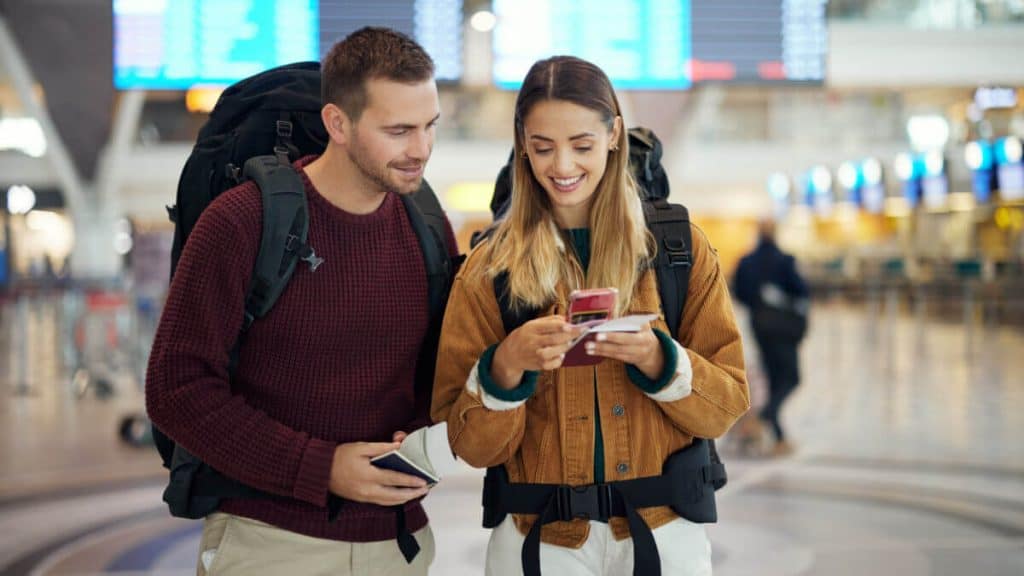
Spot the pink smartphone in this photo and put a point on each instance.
(586, 308)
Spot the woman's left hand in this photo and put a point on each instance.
(641, 349)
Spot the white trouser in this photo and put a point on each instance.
(683, 547)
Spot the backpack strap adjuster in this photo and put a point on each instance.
(284, 129)
(304, 251)
(678, 255)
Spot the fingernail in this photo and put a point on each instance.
(590, 349)
(601, 336)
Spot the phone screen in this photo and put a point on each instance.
(588, 316)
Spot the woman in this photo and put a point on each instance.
(576, 221)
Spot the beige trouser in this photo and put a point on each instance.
(236, 545)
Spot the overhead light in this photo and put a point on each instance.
(20, 199)
(904, 166)
(778, 186)
(847, 175)
(871, 169)
(928, 132)
(43, 221)
(978, 155)
(22, 134)
(483, 21)
(821, 179)
(122, 243)
(1009, 150)
(934, 163)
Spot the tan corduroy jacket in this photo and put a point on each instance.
(550, 437)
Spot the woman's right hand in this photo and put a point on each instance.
(539, 344)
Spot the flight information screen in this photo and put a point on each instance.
(755, 41)
(640, 44)
(177, 44)
(666, 44)
(435, 24)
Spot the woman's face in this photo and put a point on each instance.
(568, 146)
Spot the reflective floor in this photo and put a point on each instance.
(909, 431)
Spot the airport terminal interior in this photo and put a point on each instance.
(883, 138)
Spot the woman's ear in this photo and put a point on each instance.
(616, 133)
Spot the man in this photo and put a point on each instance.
(767, 283)
(324, 382)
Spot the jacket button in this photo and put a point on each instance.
(618, 410)
(622, 468)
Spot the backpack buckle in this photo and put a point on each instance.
(677, 253)
(592, 502)
(305, 252)
(284, 129)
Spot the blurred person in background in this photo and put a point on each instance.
(576, 221)
(768, 284)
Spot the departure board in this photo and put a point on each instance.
(177, 44)
(666, 44)
(754, 41)
(641, 44)
(435, 24)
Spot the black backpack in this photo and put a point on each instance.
(669, 223)
(258, 127)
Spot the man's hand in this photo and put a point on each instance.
(539, 344)
(641, 349)
(354, 478)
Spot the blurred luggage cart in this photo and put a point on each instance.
(104, 345)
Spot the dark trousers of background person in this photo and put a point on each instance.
(782, 366)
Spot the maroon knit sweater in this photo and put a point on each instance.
(333, 362)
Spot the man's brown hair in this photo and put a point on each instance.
(371, 52)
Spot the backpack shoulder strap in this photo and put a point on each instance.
(510, 317)
(670, 225)
(285, 230)
(428, 222)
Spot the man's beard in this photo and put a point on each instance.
(379, 176)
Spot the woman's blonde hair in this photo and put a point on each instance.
(527, 242)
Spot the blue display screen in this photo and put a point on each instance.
(666, 44)
(644, 44)
(177, 44)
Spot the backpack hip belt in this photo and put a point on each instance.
(687, 485)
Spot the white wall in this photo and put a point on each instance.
(865, 54)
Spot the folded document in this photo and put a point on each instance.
(424, 453)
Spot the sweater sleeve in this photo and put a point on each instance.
(188, 393)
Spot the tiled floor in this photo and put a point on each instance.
(910, 461)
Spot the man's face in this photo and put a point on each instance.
(392, 140)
